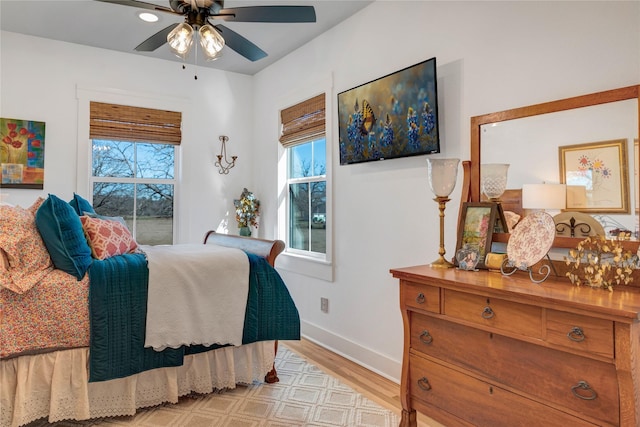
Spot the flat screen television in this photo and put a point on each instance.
(390, 117)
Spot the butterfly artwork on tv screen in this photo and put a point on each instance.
(391, 117)
(368, 117)
(361, 122)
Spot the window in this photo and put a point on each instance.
(131, 177)
(307, 196)
(303, 137)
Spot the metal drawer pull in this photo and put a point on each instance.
(423, 383)
(487, 313)
(420, 298)
(426, 337)
(576, 334)
(588, 394)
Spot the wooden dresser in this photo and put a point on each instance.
(482, 349)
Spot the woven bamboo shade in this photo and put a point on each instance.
(303, 121)
(122, 122)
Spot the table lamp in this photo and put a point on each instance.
(544, 196)
(442, 180)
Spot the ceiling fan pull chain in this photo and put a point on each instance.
(195, 76)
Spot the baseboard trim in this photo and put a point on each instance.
(372, 360)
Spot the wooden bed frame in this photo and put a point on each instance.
(269, 249)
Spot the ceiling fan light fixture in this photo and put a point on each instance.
(211, 42)
(180, 39)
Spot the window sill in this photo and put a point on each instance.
(312, 267)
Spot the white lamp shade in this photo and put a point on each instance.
(494, 179)
(544, 196)
(442, 175)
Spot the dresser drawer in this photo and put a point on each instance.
(477, 402)
(496, 313)
(543, 373)
(587, 334)
(419, 296)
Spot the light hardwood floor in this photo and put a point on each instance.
(374, 386)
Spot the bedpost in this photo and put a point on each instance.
(272, 375)
(269, 249)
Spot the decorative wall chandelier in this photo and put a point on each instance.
(224, 167)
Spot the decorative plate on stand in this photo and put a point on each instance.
(531, 240)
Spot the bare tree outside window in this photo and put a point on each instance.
(135, 180)
(308, 196)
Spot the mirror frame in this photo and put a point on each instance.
(621, 94)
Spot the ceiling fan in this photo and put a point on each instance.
(213, 38)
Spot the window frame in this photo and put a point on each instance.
(135, 181)
(305, 180)
(307, 263)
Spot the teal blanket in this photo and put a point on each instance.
(118, 307)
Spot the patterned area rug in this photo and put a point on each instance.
(305, 396)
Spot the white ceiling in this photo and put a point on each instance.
(117, 27)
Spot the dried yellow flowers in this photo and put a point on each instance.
(600, 263)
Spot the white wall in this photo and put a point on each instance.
(491, 56)
(39, 81)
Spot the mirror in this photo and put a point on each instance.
(529, 138)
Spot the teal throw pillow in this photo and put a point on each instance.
(61, 230)
(81, 205)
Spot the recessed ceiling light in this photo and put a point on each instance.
(147, 17)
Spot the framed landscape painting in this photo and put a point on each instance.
(21, 153)
(475, 230)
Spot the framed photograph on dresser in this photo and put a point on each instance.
(475, 229)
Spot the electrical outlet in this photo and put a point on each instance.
(324, 305)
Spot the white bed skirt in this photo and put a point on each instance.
(55, 385)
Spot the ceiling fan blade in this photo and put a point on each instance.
(240, 44)
(140, 5)
(156, 40)
(268, 14)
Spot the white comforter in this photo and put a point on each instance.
(197, 295)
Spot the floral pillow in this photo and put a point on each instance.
(107, 238)
(36, 205)
(27, 257)
(4, 261)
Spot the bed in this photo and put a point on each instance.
(73, 343)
